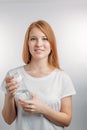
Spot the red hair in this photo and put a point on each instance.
(47, 30)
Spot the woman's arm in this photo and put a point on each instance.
(9, 111)
(63, 117)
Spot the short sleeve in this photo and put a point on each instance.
(67, 86)
(3, 84)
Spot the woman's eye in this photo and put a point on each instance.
(33, 38)
(45, 38)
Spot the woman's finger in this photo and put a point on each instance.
(25, 101)
(8, 79)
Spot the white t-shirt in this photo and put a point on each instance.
(51, 89)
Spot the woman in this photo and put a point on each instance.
(51, 89)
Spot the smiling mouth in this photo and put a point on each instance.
(39, 50)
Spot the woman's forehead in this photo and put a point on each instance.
(36, 32)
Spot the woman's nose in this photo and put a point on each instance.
(39, 42)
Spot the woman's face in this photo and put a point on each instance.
(39, 45)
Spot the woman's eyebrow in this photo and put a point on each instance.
(36, 36)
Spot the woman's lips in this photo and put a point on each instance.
(39, 50)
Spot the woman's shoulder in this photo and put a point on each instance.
(63, 74)
(18, 68)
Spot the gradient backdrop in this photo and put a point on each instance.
(69, 22)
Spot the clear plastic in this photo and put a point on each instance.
(22, 92)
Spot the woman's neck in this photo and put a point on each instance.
(39, 66)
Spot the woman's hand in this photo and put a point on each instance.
(11, 86)
(35, 105)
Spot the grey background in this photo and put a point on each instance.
(69, 22)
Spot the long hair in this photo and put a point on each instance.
(47, 30)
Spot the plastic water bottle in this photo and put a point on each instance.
(22, 92)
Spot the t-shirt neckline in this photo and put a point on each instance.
(38, 78)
